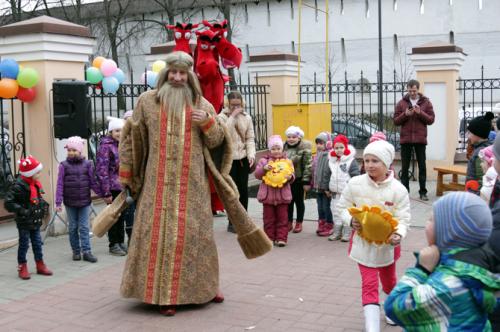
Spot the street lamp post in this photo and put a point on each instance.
(380, 92)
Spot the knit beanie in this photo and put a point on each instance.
(481, 125)
(461, 220)
(342, 140)
(274, 140)
(486, 154)
(378, 136)
(29, 166)
(76, 143)
(323, 137)
(127, 114)
(383, 150)
(294, 130)
(496, 147)
(115, 123)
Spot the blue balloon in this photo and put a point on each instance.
(151, 78)
(119, 75)
(9, 68)
(110, 84)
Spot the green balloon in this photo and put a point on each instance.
(27, 78)
(94, 75)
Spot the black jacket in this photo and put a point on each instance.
(17, 200)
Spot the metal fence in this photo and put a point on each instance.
(104, 105)
(12, 144)
(476, 97)
(355, 107)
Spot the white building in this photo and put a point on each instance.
(268, 26)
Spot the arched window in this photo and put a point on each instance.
(452, 37)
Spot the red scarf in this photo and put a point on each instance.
(35, 186)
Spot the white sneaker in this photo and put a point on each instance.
(390, 321)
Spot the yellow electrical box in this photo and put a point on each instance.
(312, 118)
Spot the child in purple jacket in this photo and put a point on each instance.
(275, 200)
(74, 182)
(107, 166)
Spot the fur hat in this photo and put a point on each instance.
(274, 140)
(29, 166)
(378, 136)
(496, 147)
(461, 220)
(75, 142)
(343, 140)
(294, 130)
(481, 125)
(115, 123)
(383, 150)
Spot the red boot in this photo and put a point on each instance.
(321, 225)
(219, 297)
(290, 226)
(327, 230)
(167, 310)
(42, 269)
(23, 271)
(298, 227)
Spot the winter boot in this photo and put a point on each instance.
(42, 269)
(219, 297)
(298, 227)
(167, 310)
(346, 234)
(23, 271)
(88, 257)
(290, 226)
(327, 230)
(321, 224)
(337, 232)
(372, 317)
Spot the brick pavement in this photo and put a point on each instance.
(309, 285)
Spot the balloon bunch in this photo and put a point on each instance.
(17, 81)
(106, 73)
(150, 76)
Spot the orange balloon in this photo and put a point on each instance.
(8, 88)
(98, 62)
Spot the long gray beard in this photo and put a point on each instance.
(175, 98)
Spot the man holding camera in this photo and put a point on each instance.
(414, 113)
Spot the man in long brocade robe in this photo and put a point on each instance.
(172, 259)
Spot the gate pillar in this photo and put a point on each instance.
(57, 50)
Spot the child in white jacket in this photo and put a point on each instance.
(376, 187)
(343, 166)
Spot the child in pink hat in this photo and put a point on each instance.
(490, 174)
(75, 180)
(275, 199)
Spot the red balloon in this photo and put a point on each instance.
(26, 95)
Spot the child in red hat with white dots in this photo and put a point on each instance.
(24, 198)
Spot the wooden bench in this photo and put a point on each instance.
(454, 185)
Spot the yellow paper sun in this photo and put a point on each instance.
(277, 176)
(377, 224)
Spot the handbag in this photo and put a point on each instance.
(110, 214)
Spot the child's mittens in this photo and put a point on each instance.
(428, 257)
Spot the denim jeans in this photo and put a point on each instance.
(25, 235)
(324, 210)
(79, 228)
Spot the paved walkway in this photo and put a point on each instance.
(310, 285)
